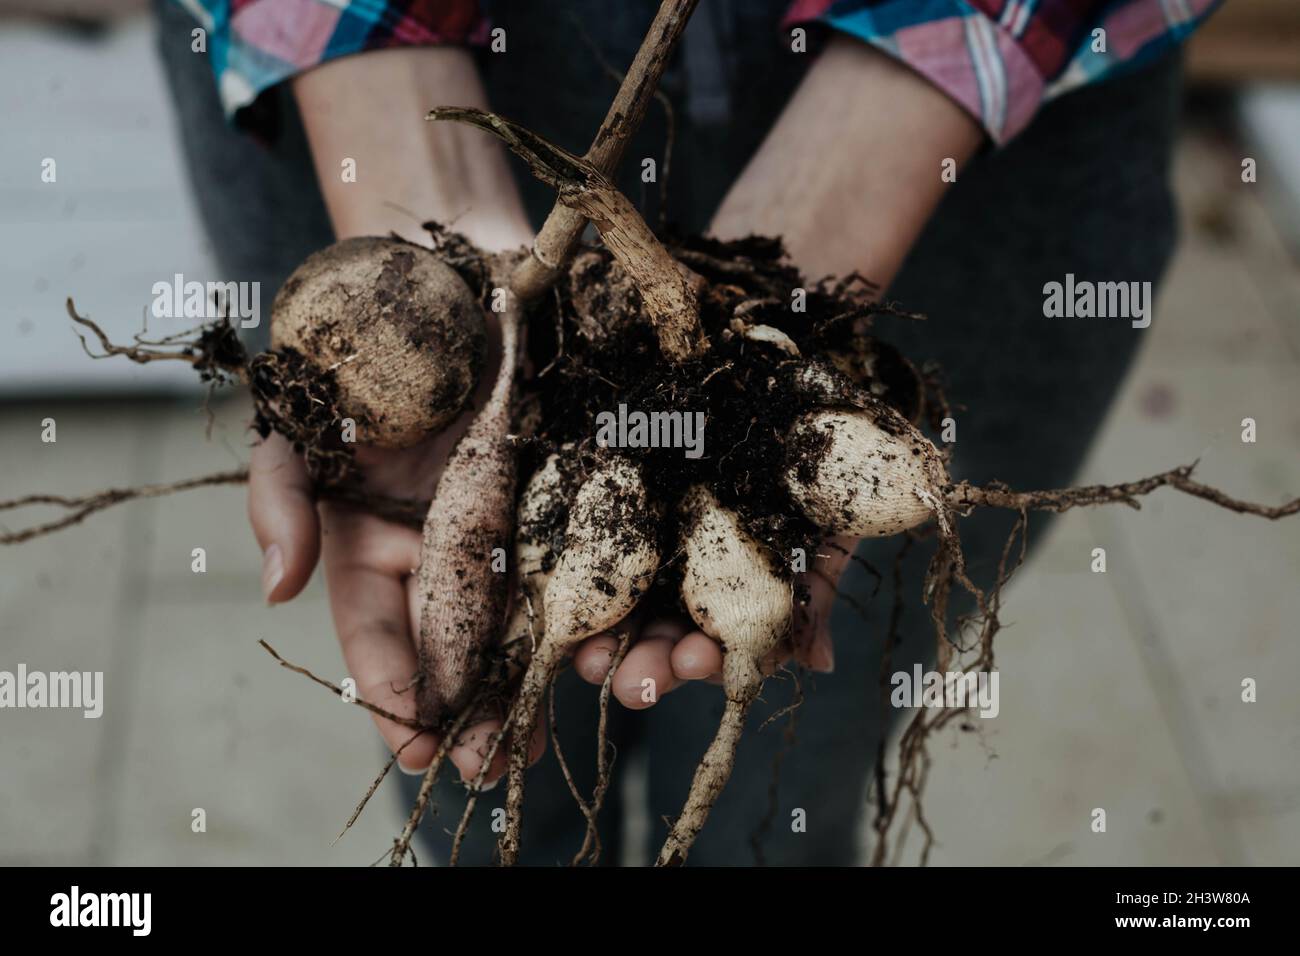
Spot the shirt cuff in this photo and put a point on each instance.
(1002, 68)
(256, 44)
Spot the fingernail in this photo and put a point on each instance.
(418, 772)
(272, 570)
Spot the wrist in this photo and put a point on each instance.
(492, 230)
(387, 169)
(854, 166)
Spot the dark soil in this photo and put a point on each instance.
(300, 402)
(591, 349)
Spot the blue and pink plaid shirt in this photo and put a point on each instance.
(1000, 59)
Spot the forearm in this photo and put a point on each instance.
(853, 167)
(370, 108)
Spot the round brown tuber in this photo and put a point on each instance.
(402, 333)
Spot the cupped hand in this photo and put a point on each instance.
(370, 566)
(666, 653)
(369, 572)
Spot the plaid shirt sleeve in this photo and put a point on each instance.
(1002, 59)
(255, 44)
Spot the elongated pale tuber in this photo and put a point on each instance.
(609, 559)
(731, 589)
(400, 332)
(542, 506)
(735, 595)
(463, 595)
(866, 473)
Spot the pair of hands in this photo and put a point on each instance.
(864, 139)
(369, 569)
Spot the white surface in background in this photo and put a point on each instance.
(118, 219)
(1270, 116)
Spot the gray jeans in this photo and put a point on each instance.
(1084, 190)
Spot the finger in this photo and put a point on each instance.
(471, 749)
(646, 673)
(282, 510)
(356, 539)
(593, 657)
(696, 657)
(368, 603)
(812, 636)
(775, 659)
(473, 746)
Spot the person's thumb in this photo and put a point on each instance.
(283, 514)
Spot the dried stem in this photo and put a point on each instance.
(398, 510)
(475, 790)
(559, 235)
(297, 669)
(669, 292)
(403, 843)
(965, 496)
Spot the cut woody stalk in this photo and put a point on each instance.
(669, 291)
(559, 235)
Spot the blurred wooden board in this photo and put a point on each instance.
(1248, 40)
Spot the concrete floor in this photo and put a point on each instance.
(1122, 690)
(1136, 673)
